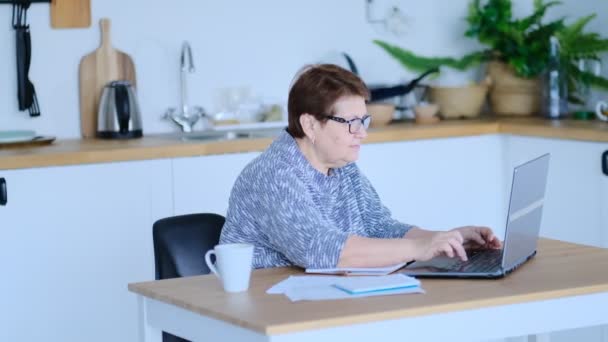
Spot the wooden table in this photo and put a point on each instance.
(564, 287)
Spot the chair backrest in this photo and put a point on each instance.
(180, 244)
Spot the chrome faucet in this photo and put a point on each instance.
(186, 64)
(186, 117)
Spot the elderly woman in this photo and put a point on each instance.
(305, 202)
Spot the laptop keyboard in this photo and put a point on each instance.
(479, 261)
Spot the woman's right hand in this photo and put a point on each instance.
(440, 243)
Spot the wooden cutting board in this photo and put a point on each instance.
(101, 66)
(70, 13)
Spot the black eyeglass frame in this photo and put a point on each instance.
(365, 121)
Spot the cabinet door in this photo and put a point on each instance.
(72, 239)
(439, 183)
(203, 184)
(576, 187)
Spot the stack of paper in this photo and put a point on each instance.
(338, 287)
(357, 270)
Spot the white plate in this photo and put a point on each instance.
(16, 136)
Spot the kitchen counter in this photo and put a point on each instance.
(85, 151)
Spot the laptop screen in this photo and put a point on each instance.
(525, 210)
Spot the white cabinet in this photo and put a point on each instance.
(72, 239)
(440, 183)
(576, 200)
(203, 184)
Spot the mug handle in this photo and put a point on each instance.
(599, 112)
(209, 264)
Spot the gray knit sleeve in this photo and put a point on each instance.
(294, 226)
(379, 222)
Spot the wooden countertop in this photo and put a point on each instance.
(78, 151)
(560, 269)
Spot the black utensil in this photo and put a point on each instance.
(381, 93)
(30, 90)
(384, 92)
(351, 64)
(19, 15)
(22, 92)
(26, 93)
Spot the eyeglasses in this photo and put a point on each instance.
(354, 125)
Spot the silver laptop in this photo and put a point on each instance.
(521, 232)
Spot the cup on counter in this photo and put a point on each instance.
(232, 265)
(601, 110)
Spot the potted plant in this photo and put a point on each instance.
(518, 53)
(518, 49)
(454, 102)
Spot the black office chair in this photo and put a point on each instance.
(180, 244)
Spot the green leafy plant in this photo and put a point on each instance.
(576, 45)
(521, 43)
(420, 64)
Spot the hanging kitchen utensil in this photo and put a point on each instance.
(26, 93)
(97, 69)
(18, 14)
(34, 110)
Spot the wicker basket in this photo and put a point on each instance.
(515, 101)
(459, 102)
(510, 94)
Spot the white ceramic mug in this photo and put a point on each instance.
(599, 110)
(233, 263)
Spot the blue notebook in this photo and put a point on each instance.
(358, 285)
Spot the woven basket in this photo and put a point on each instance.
(459, 102)
(510, 94)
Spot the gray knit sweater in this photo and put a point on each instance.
(295, 215)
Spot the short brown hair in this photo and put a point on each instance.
(316, 90)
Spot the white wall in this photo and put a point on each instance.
(260, 44)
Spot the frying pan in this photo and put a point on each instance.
(378, 93)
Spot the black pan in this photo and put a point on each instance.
(378, 93)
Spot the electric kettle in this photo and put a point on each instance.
(119, 116)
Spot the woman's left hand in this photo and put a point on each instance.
(476, 237)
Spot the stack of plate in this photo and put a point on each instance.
(23, 137)
(16, 136)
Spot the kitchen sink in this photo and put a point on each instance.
(216, 135)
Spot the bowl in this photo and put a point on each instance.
(426, 113)
(426, 110)
(382, 113)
